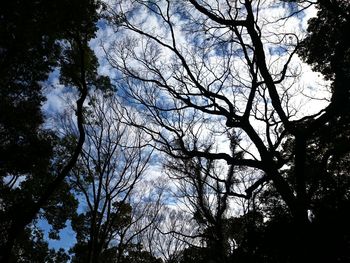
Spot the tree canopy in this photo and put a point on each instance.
(186, 131)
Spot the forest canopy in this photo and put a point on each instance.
(174, 131)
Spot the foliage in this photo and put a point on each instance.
(34, 37)
(216, 90)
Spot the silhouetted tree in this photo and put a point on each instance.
(35, 37)
(232, 68)
(107, 177)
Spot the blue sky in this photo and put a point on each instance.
(67, 236)
(106, 36)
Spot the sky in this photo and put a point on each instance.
(277, 48)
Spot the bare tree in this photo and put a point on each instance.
(203, 67)
(107, 176)
(171, 234)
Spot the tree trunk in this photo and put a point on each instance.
(301, 221)
(25, 218)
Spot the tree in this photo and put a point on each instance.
(208, 195)
(28, 53)
(234, 69)
(106, 177)
(173, 231)
(30, 36)
(136, 254)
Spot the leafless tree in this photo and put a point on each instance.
(171, 234)
(117, 201)
(205, 69)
